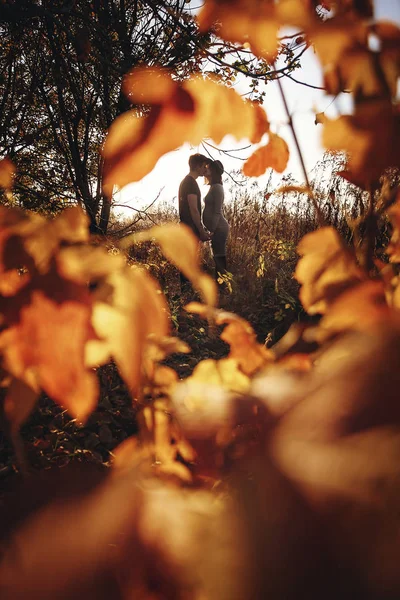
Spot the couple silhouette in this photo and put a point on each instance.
(209, 224)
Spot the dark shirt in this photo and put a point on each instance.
(188, 186)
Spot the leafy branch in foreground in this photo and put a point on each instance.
(211, 448)
(270, 473)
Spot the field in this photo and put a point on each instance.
(265, 229)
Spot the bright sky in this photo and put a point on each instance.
(303, 103)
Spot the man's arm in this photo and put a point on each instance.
(194, 212)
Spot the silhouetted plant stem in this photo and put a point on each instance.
(371, 232)
(321, 220)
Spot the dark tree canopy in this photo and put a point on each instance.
(61, 67)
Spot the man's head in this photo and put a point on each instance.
(198, 163)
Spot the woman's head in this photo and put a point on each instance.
(214, 171)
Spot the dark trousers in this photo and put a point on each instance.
(220, 265)
(185, 282)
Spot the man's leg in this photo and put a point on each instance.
(186, 284)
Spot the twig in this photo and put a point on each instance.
(141, 212)
(240, 183)
(210, 155)
(126, 228)
(231, 150)
(321, 220)
(228, 152)
(309, 85)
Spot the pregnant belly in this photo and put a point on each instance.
(223, 226)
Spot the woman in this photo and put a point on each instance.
(213, 217)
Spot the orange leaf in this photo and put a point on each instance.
(333, 38)
(370, 137)
(204, 400)
(238, 333)
(320, 118)
(343, 48)
(360, 308)
(19, 403)
(341, 440)
(274, 155)
(135, 310)
(185, 113)
(37, 238)
(253, 22)
(148, 86)
(86, 263)
(46, 350)
(12, 281)
(7, 172)
(261, 123)
(244, 348)
(243, 22)
(326, 269)
(70, 226)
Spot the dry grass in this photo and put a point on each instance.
(265, 229)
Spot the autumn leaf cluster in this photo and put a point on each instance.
(267, 473)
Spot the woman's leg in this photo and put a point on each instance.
(220, 265)
(218, 245)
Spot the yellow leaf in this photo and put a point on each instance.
(185, 113)
(253, 22)
(181, 247)
(325, 270)
(86, 263)
(360, 308)
(19, 403)
(135, 310)
(274, 155)
(39, 238)
(370, 137)
(204, 400)
(7, 172)
(238, 333)
(46, 350)
(341, 440)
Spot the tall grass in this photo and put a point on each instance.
(265, 228)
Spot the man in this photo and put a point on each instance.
(190, 200)
(190, 197)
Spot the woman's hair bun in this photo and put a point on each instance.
(219, 165)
